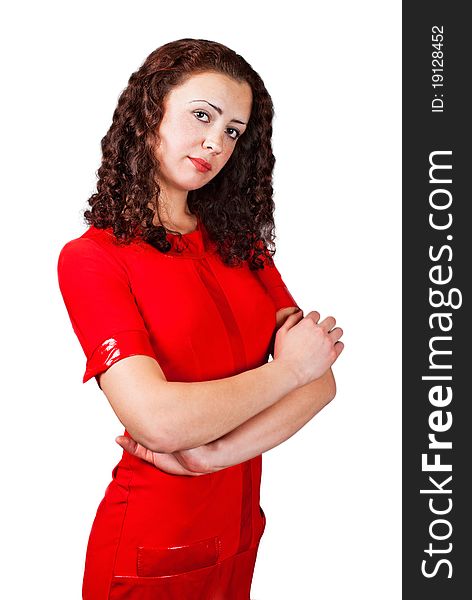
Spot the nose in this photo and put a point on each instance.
(213, 141)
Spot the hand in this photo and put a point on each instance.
(169, 463)
(307, 345)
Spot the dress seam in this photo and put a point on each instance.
(225, 309)
(112, 575)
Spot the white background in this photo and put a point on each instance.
(332, 493)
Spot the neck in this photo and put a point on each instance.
(174, 212)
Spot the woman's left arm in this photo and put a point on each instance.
(264, 431)
(259, 434)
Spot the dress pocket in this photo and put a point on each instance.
(161, 562)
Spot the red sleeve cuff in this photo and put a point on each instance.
(118, 346)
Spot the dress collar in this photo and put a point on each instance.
(194, 244)
(191, 245)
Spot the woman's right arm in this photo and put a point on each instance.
(171, 416)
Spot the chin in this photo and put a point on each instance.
(196, 185)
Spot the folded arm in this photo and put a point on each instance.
(264, 431)
(259, 434)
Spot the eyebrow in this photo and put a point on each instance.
(218, 109)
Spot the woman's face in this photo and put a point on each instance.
(203, 119)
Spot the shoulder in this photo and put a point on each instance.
(92, 238)
(95, 248)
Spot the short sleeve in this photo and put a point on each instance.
(101, 306)
(275, 286)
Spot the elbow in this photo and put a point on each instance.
(162, 443)
(160, 429)
(143, 401)
(150, 441)
(157, 440)
(167, 438)
(161, 447)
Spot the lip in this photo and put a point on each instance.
(200, 163)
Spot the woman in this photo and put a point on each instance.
(176, 302)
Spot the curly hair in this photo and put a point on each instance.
(236, 206)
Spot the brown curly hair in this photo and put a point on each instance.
(236, 206)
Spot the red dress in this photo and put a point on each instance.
(157, 535)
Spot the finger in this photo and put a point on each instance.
(126, 443)
(314, 315)
(292, 320)
(338, 348)
(335, 334)
(131, 446)
(327, 324)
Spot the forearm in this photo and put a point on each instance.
(197, 413)
(265, 430)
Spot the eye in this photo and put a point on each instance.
(201, 112)
(235, 131)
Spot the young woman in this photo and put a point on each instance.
(176, 301)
